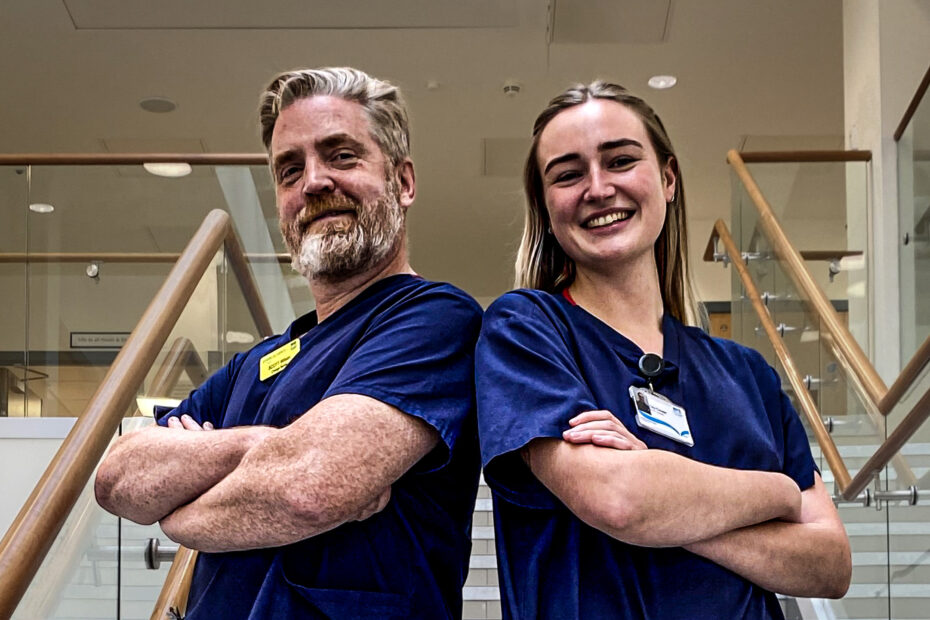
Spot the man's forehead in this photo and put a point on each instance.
(321, 118)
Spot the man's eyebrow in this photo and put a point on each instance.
(281, 157)
(342, 139)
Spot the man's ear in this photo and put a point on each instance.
(407, 184)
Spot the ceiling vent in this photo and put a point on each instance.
(610, 21)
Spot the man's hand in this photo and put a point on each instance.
(601, 428)
(188, 423)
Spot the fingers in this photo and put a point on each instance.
(608, 439)
(601, 428)
(590, 416)
(188, 423)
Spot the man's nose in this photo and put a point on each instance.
(317, 178)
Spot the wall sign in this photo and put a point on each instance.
(98, 340)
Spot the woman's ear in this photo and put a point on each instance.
(670, 179)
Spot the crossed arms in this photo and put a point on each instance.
(757, 524)
(249, 487)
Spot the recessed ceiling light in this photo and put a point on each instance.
(661, 82)
(171, 170)
(159, 105)
(41, 207)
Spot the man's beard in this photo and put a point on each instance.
(340, 249)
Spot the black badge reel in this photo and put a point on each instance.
(651, 366)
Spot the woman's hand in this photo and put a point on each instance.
(601, 428)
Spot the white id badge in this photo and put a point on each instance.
(658, 414)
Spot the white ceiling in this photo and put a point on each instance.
(766, 73)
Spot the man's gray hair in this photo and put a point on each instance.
(384, 106)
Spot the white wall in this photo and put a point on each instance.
(886, 50)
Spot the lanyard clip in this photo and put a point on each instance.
(651, 366)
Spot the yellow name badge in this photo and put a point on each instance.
(276, 361)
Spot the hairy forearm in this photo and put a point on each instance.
(149, 473)
(655, 498)
(254, 506)
(312, 477)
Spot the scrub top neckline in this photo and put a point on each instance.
(628, 349)
(302, 325)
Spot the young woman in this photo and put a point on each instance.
(639, 468)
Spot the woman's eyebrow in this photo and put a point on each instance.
(561, 159)
(613, 144)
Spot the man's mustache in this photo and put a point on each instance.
(316, 206)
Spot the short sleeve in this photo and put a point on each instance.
(418, 356)
(528, 386)
(207, 402)
(798, 462)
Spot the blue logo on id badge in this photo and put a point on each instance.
(658, 414)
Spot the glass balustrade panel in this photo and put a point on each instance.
(914, 222)
(746, 328)
(81, 308)
(79, 577)
(822, 208)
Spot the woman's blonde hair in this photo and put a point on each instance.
(541, 262)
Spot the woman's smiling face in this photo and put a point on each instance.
(605, 190)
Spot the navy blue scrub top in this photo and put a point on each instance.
(540, 361)
(406, 342)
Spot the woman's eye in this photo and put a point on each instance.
(621, 162)
(567, 175)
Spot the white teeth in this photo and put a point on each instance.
(610, 218)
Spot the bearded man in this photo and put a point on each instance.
(337, 467)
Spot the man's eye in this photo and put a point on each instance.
(288, 173)
(343, 157)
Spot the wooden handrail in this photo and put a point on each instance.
(26, 543)
(845, 348)
(123, 257)
(128, 159)
(805, 400)
(907, 377)
(173, 595)
(890, 448)
(912, 107)
(790, 157)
